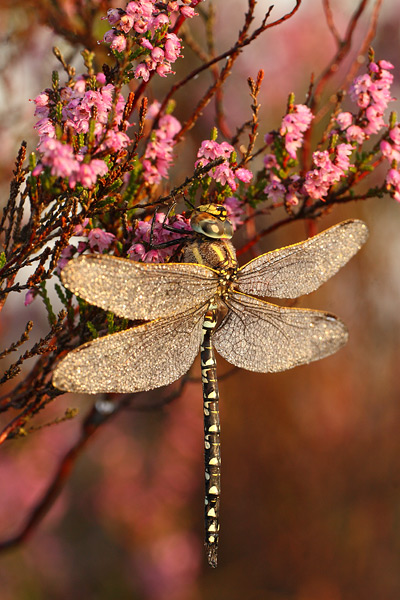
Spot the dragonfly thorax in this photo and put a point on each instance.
(219, 255)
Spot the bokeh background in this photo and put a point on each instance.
(311, 457)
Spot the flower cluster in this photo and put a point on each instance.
(158, 155)
(223, 173)
(146, 23)
(290, 137)
(286, 190)
(293, 127)
(91, 119)
(95, 239)
(328, 170)
(390, 149)
(371, 92)
(141, 250)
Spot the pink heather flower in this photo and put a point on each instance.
(30, 296)
(65, 257)
(172, 47)
(393, 183)
(275, 190)
(157, 54)
(212, 150)
(109, 36)
(88, 172)
(361, 84)
(235, 209)
(45, 129)
(163, 69)
(82, 246)
(394, 135)
(344, 120)
(153, 256)
(115, 141)
(225, 149)
(385, 64)
(316, 185)
(160, 21)
(146, 44)
(270, 161)
(137, 252)
(119, 43)
(390, 152)
(42, 105)
(101, 78)
(37, 170)
(173, 5)
(375, 120)
(243, 175)
(343, 151)
(291, 197)
(321, 159)
(294, 126)
(126, 23)
(269, 138)
(373, 90)
(154, 109)
(223, 174)
(80, 229)
(59, 157)
(169, 126)
(143, 8)
(142, 71)
(158, 155)
(161, 235)
(80, 85)
(187, 12)
(318, 181)
(393, 177)
(354, 133)
(141, 25)
(101, 239)
(209, 149)
(114, 15)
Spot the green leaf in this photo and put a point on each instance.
(46, 300)
(93, 331)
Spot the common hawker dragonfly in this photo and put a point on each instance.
(206, 301)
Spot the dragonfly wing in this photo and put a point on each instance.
(259, 336)
(300, 269)
(137, 359)
(139, 290)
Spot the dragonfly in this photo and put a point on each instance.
(202, 302)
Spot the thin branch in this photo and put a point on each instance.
(230, 55)
(100, 414)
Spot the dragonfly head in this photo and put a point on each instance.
(211, 220)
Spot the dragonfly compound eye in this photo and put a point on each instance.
(211, 226)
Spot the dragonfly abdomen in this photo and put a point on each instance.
(212, 454)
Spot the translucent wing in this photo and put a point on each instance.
(135, 360)
(300, 269)
(259, 336)
(139, 290)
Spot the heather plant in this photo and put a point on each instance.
(101, 178)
